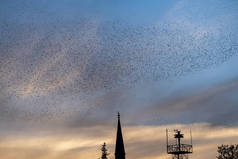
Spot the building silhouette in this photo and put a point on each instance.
(119, 150)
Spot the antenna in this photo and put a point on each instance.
(191, 137)
(179, 150)
(167, 139)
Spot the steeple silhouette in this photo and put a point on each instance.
(120, 150)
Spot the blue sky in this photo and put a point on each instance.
(67, 67)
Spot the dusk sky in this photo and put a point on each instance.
(68, 66)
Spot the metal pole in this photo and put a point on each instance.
(191, 139)
(167, 140)
(179, 143)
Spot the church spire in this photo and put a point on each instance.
(120, 150)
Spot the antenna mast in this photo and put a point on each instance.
(179, 150)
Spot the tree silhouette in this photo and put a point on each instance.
(104, 151)
(227, 152)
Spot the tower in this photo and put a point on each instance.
(119, 150)
(179, 150)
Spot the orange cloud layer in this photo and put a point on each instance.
(143, 142)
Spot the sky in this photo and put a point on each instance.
(68, 66)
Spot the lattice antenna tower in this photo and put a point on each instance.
(178, 150)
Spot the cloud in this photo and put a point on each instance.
(140, 141)
(67, 67)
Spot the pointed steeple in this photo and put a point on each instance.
(120, 150)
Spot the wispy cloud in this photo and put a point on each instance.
(144, 142)
(67, 67)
